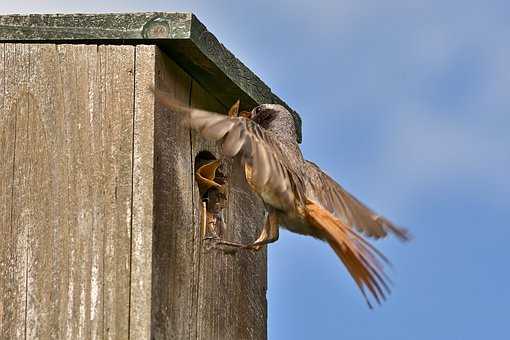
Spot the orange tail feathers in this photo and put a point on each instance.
(362, 260)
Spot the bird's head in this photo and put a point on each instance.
(275, 118)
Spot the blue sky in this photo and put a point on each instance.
(406, 103)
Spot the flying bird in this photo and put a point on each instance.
(297, 194)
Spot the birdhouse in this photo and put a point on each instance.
(101, 215)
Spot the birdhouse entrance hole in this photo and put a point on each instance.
(211, 183)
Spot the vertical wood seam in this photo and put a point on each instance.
(28, 227)
(67, 221)
(93, 227)
(102, 110)
(132, 192)
(195, 243)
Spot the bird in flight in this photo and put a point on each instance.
(297, 194)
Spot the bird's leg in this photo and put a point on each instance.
(210, 184)
(268, 234)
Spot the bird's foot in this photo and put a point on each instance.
(250, 246)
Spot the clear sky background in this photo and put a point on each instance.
(407, 104)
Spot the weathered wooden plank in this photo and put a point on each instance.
(173, 219)
(69, 132)
(97, 87)
(15, 103)
(77, 160)
(31, 204)
(7, 129)
(7, 143)
(93, 141)
(143, 194)
(43, 173)
(117, 106)
(104, 26)
(230, 301)
(97, 193)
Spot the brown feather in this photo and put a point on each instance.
(349, 209)
(311, 202)
(361, 260)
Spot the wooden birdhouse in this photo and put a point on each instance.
(100, 211)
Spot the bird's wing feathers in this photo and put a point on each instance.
(269, 167)
(260, 151)
(347, 208)
(330, 209)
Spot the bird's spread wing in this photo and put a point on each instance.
(268, 168)
(261, 152)
(347, 208)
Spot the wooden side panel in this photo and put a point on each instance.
(143, 193)
(173, 219)
(230, 300)
(199, 291)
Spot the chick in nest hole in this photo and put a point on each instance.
(211, 183)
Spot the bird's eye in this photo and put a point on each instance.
(258, 109)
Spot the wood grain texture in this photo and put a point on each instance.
(40, 191)
(117, 93)
(67, 116)
(99, 207)
(174, 235)
(96, 151)
(14, 255)
(143, 194)
(77, 157)
(230, 300)
(6, 154)
(100, 26)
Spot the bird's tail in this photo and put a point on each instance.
(363, 261)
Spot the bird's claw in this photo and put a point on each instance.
(251, 246)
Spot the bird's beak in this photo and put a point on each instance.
(245, 114)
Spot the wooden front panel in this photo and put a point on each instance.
(67, 137)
